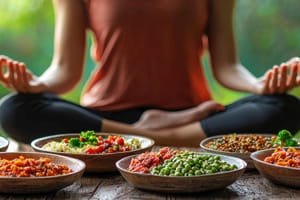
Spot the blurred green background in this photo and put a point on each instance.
(267, 33)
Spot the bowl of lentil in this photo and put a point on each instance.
(279, 165)
(32, 172)
(3, 144)
(180, 172)
(99, 157)
(238, 145)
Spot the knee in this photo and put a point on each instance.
(283, 102)
(289, 111)
(289, 104)
(8, 111)
(8, 107)
(14, 110)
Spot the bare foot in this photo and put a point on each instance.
(158, 119)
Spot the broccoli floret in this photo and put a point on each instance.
(291, 143)
(89, 137)
(284, 135)
(285, 138)
(87, 134)
(75, 142)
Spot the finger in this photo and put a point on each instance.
(274, 80)
(2, 57)
(10, 76)
(14, 75)
(267, 82)
(19, 81)
(282, 87)
(2, 69)
(292, 79)
(23, 77)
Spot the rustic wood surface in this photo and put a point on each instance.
(112, 186)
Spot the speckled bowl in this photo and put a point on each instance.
(288, 176)
(244, 156)
(27, 185)
(182, 184)
(95, 163)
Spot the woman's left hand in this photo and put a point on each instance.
(280, 79)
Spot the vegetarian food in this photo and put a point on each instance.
(242, 143)
(168, 162)
(282, 157)
(88, 142)
(29, 167)
(285, 139)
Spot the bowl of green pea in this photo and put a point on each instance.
(182, 172)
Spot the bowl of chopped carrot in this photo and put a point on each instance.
(32, 172)
(279, 165)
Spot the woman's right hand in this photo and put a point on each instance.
(15, 76)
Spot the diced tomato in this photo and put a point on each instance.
(109, 142)
(120, 141)
(100, 149)
(100, 137)
(66, 140)
(81, 139)
(100, 142)
(90, 151)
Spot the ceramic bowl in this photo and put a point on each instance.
(182, 184)
(97, 163)
(3, 144)
(288, 176)
(244, 156)
(26, 185)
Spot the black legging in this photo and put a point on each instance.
(25, 117)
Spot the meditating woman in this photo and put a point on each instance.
(149, 79)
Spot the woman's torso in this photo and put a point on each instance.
(149, 53)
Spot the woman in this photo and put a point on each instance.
(148, 54)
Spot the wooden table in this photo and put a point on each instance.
(112, 186)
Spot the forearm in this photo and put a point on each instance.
(59, 80)
(69, 47)
(236, 77)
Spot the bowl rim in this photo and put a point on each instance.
(76, 161)
(254, 157)
(205, 140)
(33, 144)
(5, 142)
(243, 167)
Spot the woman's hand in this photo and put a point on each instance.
(15, 76)
(281, 78)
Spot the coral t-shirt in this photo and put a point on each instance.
(149, 54)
